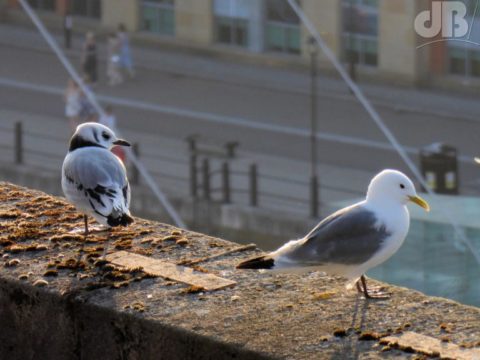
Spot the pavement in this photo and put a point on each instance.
(405, 99)
(264, 108)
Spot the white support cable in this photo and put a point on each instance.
(91, 97)
(379, 122)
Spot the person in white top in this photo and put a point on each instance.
(109, 119)
(126, 62)
(73, 103)
(113, 63)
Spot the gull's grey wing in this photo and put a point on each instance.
(349, 236)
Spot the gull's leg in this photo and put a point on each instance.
(359, 288)
(377, 295)
(94, 228)
(105, 248)
(364, 284)
(85, 219)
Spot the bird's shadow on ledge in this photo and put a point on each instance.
(350, 346)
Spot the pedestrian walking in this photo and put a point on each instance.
(126, 62)
(73, 104)
(89, 57)
(114, 74)
(110, 121)
(87, 110)
(67, 29)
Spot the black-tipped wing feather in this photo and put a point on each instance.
(261, 262)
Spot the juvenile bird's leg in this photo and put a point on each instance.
(85, 219)
(376, 293)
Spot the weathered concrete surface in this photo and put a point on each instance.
(90, 310)
(213, 217)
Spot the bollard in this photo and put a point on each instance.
(253, 185)
(230, 148)
(226, 182)
(206, 179)
(314, 196)
(18, 143)
(192, 143)
(193, 176)
(135, 175)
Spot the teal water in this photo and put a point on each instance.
(433, 261)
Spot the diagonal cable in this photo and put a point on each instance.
(375, 116)
(92, 99)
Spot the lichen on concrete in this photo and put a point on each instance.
(56, 286)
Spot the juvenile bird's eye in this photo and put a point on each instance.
(106, 136)
(402, 186)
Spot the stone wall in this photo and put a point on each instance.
(60, 298)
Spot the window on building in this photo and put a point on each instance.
(464, 57)
(360, 31)
(47, 5)
(464, 61)
(87, 8)
(231, 31)
(231, 22)
(282, 27)
(158, 16)
(473, 7)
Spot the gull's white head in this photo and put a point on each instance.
(394, 186)
(94, 134)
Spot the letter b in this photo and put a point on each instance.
(454, 23)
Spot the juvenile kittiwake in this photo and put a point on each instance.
(93, 179)
(354, 239)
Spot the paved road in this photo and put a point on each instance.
(175, 102)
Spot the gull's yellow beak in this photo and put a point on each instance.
(420, 202)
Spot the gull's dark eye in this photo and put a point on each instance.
(106, 136)
(402, 186)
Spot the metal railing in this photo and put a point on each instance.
(213, 176)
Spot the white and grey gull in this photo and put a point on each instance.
(354, 239)
(94, 180)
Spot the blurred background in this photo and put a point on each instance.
(246, 126)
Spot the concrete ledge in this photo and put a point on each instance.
(59, 300)
(240, 223)
(39, 324)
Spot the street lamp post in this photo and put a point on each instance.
(313, 128)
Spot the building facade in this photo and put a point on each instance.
(374, 37)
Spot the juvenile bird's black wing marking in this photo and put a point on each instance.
(93, 194)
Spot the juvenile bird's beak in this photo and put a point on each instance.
(420, 202)
(121, 142)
